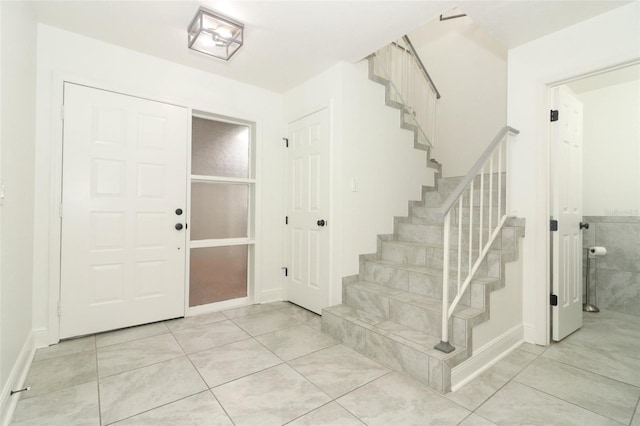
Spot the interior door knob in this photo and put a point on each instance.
(179, 226)
(321, 222)
(584, 225)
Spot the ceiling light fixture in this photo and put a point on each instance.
(215, 34)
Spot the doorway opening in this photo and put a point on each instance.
(610, 181)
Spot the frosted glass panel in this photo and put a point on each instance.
(219, 149)
(217, 274)
(218, 210)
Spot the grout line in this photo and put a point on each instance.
(95, 344)
(568, 402)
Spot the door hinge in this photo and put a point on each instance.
(286, 220)
(286, 271)
(553, 225)
(553, 299)
(286, 142)
(62, 112)
(59, 309)
(554, 115)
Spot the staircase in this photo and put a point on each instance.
(392, 310)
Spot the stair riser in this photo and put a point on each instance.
(420, 283)
(427, 234)
(398, 357)
(432, 234)
(421, 318)
(403, 254)
(428, 321)
(489, 267)
(432, 257)
(367, 301)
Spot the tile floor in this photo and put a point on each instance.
(270, 365)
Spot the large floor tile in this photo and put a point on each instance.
(249, 310)
(209, 336)
(298, 313)
(338, 369)
(66, 347)
(518, 404)
(270, 397)
(293, 342)
(636, 417)
(131, 333)
(623, 366)
(331, 414)
(115, 359)
(476, 420)
(265, 323)
(196, 410)
(229, 362)
(474, 393)
(596, 393)
(126, 394)
(531, 348)
(395, 400)
(76, 405)
(195, 321)
(513, 363)
(61, 372)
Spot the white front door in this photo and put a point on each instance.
(307, 236)
(124, 176)
(566, 190)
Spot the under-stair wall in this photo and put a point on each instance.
(368, 146)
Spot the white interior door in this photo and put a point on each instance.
(566, 190)
(124, 176)
(307, 238)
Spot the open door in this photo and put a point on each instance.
(566, 209)
(307, 236)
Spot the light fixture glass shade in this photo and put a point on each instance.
(215, 34)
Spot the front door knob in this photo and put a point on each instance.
(321, 222)
(178, 212)
(179, 226)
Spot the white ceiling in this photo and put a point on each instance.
(287, 42)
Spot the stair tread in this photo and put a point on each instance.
(461, 311)
(426, 270)
(407, 336)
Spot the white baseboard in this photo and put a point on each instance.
(41, 338)
(486, 356)
(271, 296)
(16, 380)
(530, 335)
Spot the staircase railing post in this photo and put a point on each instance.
(444, 344)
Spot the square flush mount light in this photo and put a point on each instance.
(215, 34)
